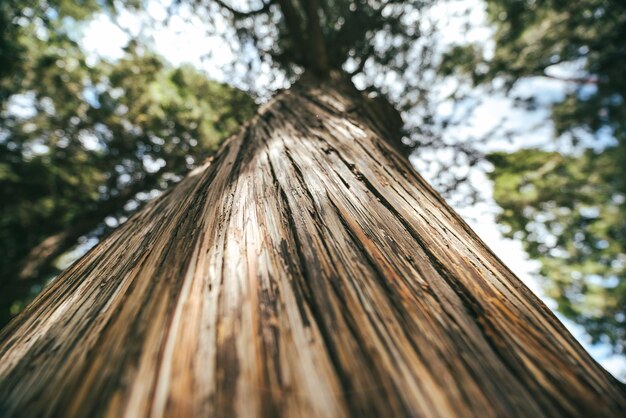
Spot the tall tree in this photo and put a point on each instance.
(306, 270)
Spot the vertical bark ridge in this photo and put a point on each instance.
(306, 271)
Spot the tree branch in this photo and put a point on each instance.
(292, 20)
(319, 59)
(242, 15)
(40, 259)
(578, 80)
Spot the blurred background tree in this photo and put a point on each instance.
(568, 207)
(570, 213)
(83, 145)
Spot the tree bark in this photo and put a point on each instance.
(307, 271)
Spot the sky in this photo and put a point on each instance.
(184, 41)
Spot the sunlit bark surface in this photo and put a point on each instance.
(307, 271)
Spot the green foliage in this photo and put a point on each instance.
(532, 36)
(570, 214)
(24, 24)
(463, 60)
(80, 142)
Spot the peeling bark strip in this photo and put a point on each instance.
(307, 271)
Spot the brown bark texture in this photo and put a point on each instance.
(306, 271)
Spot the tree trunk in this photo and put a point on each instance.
(307, 271)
